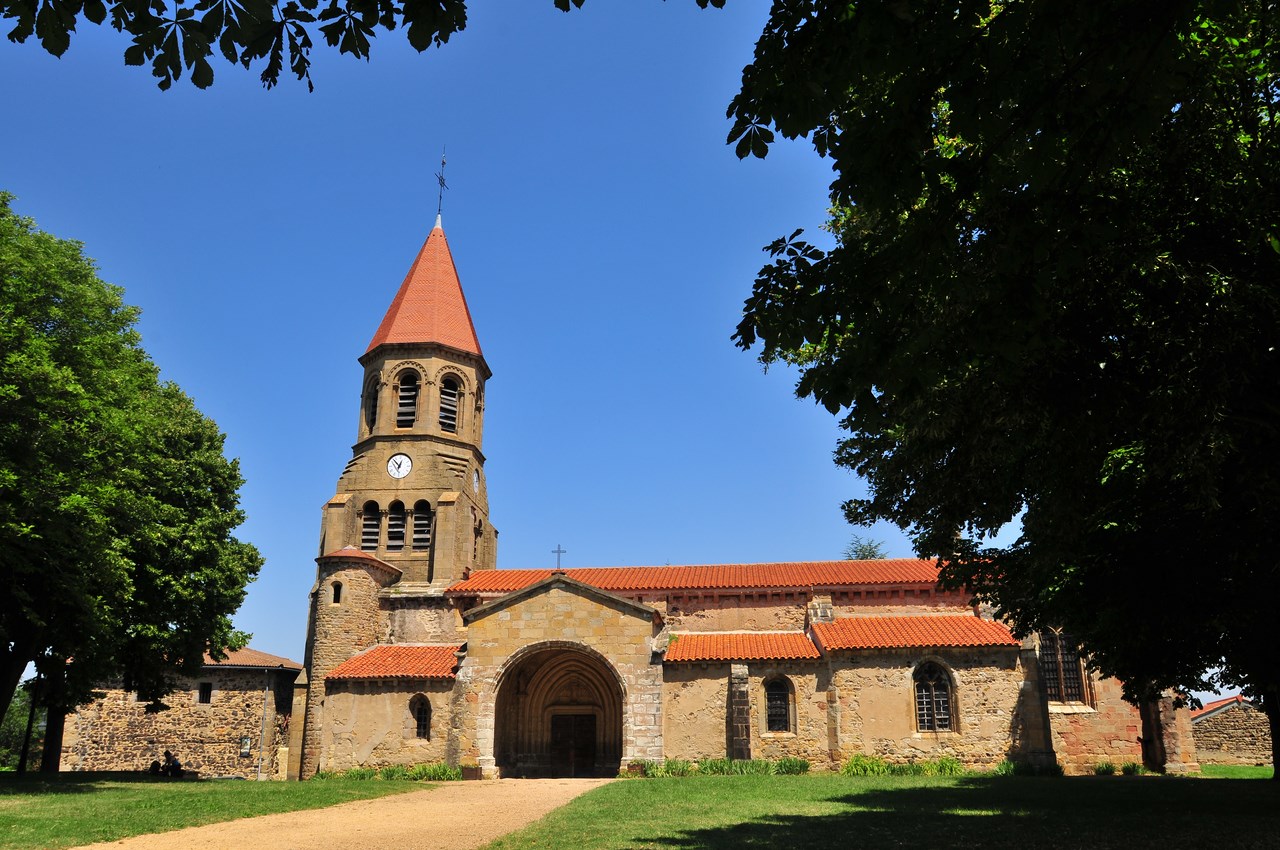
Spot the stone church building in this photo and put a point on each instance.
(420, 650)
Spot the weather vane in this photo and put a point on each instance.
(443, 185)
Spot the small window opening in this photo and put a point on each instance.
(421, 526)
(337, 593)
(407, 405)
(395, 527)
(933, 698)
(204, 695)
(449, 405)
(777, 697)
(371, 405)
(369, 527)
(421, 710)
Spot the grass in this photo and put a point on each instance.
(1236, 771)
(69, 809)
(823, 811)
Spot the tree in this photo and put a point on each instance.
(248, 33)
(1052, 295)
(116, 502)
(864, 549)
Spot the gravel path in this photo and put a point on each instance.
(450, 816)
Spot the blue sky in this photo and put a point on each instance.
(605, 236)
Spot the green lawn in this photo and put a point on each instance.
(1236, 771)
(824, 811)
(69, 809)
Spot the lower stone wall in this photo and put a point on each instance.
(116, 732)
(369, 724)
(1109, 730)
(1236, 735)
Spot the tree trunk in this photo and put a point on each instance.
(55, 719)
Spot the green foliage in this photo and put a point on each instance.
(1132, 768)
(1052, 300)
(790, 766)
(435, 772)
(860, 764)
(117, 505)
(864, 549)
(1104, 768)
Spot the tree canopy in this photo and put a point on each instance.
(266, 34)
(1053, 297)
(116, 503)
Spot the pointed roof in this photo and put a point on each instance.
(430, 306)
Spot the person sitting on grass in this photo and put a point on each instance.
(171, 767)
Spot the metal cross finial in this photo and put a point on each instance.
(558, 551)
(443, 186)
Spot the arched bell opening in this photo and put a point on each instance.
(558, 713)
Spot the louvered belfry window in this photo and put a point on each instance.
(1061, 669)
(449, 405)
(407, 401)
(395, 527)
(369, 522)
(421, 527)
(933, 698)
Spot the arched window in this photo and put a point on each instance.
(777, 703)
(371, 404)
(407, 400)
(395, 527)
(421, 526)
(370, 530)
(933, 698)
(1062, 670)
(420, 708)
(337, 593)
(449, 405)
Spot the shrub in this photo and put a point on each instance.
(1104, 768)
(361, 773)
(393, 772)
(1132, 768)
(435, 772)
(791, 766)
(864, 765)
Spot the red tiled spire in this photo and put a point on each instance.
(430, 306)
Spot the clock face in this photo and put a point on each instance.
(399, 466)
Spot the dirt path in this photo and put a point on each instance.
(451, 816)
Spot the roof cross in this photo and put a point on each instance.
(443, 185)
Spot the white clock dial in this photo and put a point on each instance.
(399, 466)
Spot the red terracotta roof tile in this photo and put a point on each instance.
(252, 658)
(1216, 705)
(735, 646)
(429, 306)
(715, 577)
(400, 661)
(896, 632)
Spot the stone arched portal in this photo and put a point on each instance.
(558, 712)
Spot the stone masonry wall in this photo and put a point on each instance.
(561, 617)
(875, 696)
(116, 732)
(1109, 730)
(369, 724)
(1236, 735)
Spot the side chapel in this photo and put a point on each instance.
(420, 650)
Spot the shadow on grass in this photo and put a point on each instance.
(1086, 812)
(69, 782)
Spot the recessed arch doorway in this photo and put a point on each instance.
(558, 713)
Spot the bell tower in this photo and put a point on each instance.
(413, 494)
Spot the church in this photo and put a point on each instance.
(420, 650)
